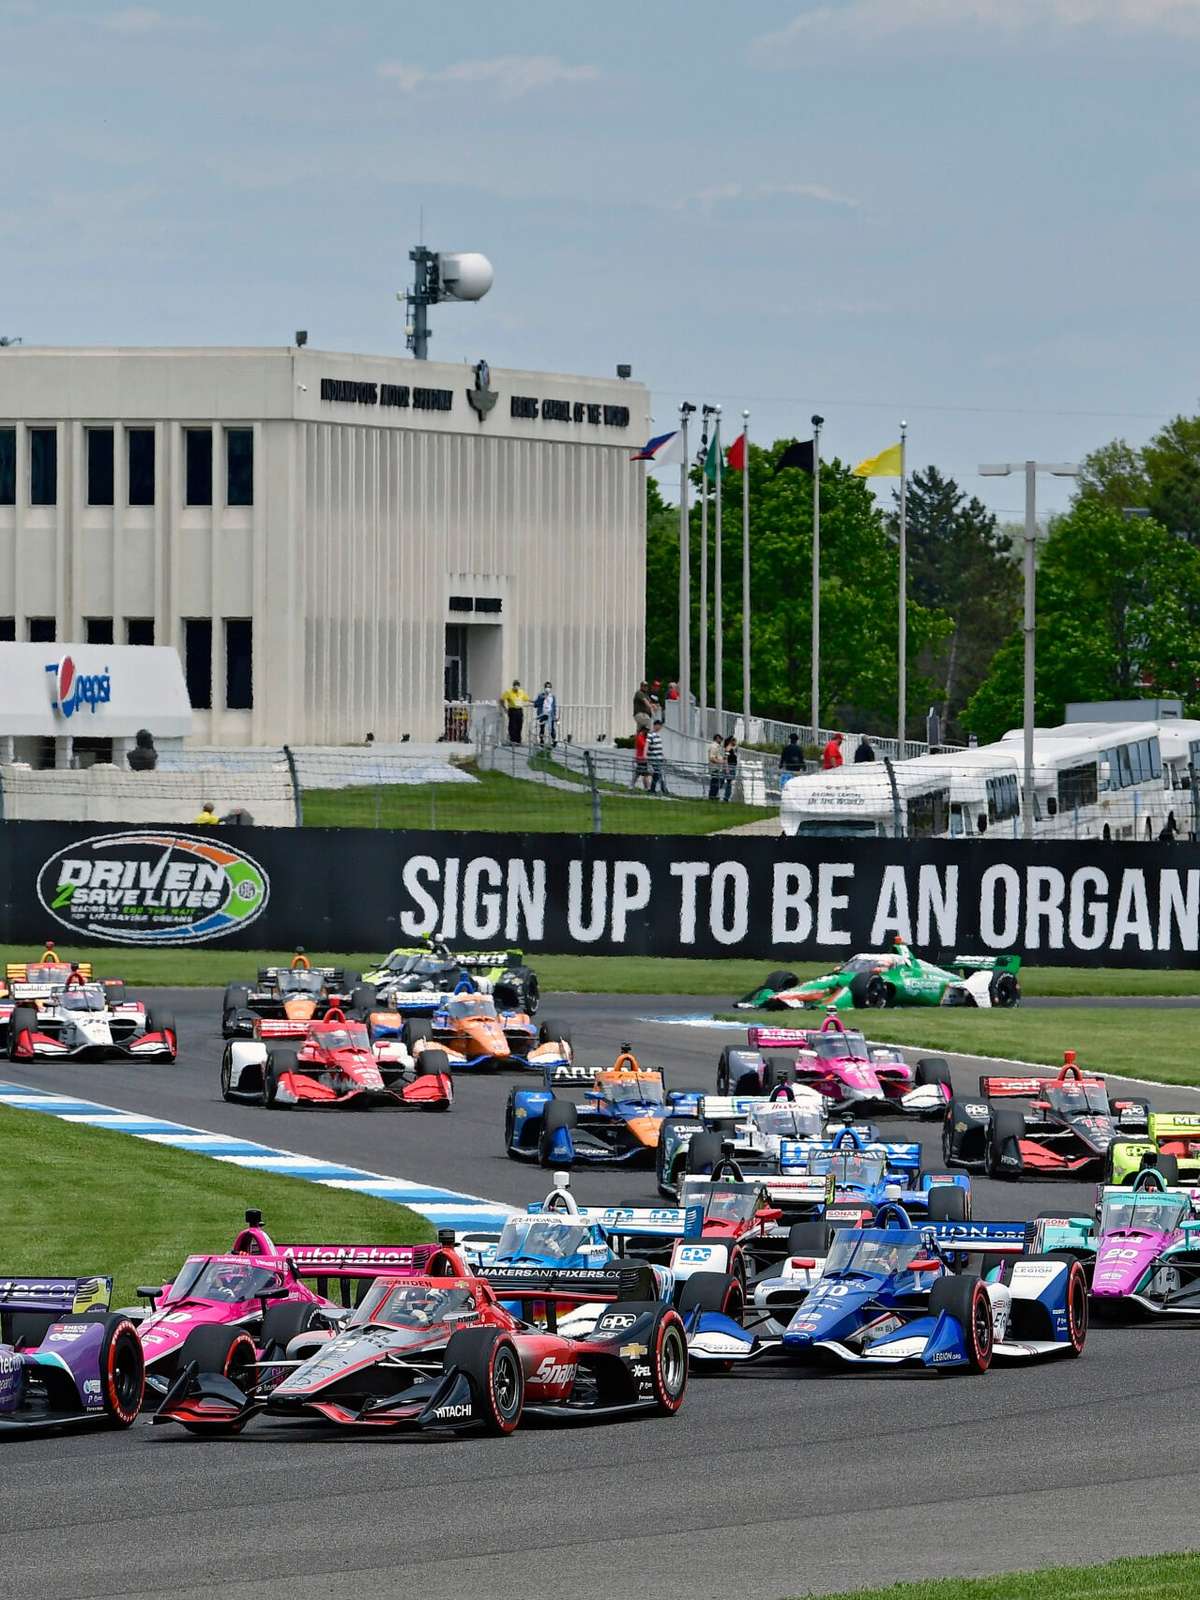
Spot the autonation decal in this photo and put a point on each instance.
(152, 888)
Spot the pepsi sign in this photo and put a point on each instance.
(70, 689)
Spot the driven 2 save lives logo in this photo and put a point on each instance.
(152, 888)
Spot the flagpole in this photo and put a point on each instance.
(704, 573)
(685, 578)
(816, 578)
(718, 623)
(902, 709)
(745, 576)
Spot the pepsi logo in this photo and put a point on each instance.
(71, 689)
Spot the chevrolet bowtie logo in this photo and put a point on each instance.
(482, 397)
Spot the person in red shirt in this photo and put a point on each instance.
(831, 756)
(641, 764)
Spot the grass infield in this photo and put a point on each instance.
(1133, 1578)
(79, 1200)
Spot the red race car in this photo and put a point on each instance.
(336, 1065)
(435, 1348)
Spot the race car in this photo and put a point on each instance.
(617, 1121)
(284, 1000)
(838, 1063)
(890, 1295)
(475, 1034)
(412, 980)
(228, 1312)
(82, 1019)
(1140, 1249)
(750, 1127)
(895, 978)
(65, 1359)
(1069, 1128)
(434, 1348)
(336, 1064)
(1171, 1143)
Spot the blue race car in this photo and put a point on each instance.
(890, 1295)
(617, 1122)
(867, 1172)
(64, 1357)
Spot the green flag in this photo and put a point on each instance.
(712, 461)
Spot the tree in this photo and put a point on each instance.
(1118, 617)
(960, 563)
(1163, 475)
(859, 577)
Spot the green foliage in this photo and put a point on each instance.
(1163, 476)
(859, 577)
(1118, 617)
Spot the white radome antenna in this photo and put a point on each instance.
(462, 275)
(465, 275)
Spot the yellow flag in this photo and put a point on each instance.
(885, 465)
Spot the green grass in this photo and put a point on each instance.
(500, 804)
(80, 1200)
(1138, 1042)
(1133, 1578)
(216, 966)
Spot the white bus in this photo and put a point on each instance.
(985, 790)
(859, 802)
(1095, 780)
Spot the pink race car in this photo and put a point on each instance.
(838, 1063)
(229, 1312)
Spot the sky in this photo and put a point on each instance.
(977, 215)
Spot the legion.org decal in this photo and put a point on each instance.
(152, 888)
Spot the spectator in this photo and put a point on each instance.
(831, 756)
(514, 701)
(791, 761)
(207, 814)
(654, 748)
(672, 691)
(369, 740)
(730, 758)
(643, 708)
(865, 750)
(716, 766)
(143, 757)
(641, 767)
(546, 706)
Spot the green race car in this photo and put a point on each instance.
(410, 976)
(1172, 1144)
(898, 978)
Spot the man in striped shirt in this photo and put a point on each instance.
(654, 749)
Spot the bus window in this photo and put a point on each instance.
(1077, 787)
(1155, 758)
(1126, 766)
(1002, 798)
(958, 820)
(927, 814)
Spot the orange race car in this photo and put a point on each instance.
(284, 1000)
(474, 1034)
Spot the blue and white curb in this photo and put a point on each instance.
(443, 1208)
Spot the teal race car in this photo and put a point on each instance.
(897, 978)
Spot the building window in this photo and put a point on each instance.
(239, 466)
(8, 466)
(197, 661)
(239, 664)
(8, 630)
(43, 466)
(139, 630)
(141, 466)
(40, 630)
(99, 466)
(198, 442)
(97, 630)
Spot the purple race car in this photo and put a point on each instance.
(64, 1357)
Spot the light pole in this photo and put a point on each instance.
(1060, 469)
(685, 575)
(815, 695)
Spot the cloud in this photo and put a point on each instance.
(131, 20)
(870, 22)
(716, 194)
(510, 76)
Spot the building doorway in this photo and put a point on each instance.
(457, 683)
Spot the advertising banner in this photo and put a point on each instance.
(785, 900)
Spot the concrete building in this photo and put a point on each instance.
(335, 544)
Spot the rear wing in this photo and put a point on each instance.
(361, 1260)
(18, 972)
(66, 1295)
(1175, 1125)
(986, 964)
(899, 1157)
(475, 959)
(570, 1074)
(1024, 1088)
(787, 1190)
(980, 1238)
(663, 1222)
(778, 1038)
(529, 1282)
(335, 977)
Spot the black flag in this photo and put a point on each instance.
(797, 455)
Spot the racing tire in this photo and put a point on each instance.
(703, 1153)
(236, 996)
(533, 995)
(351, 981)
(413, 1031)
(1006, 1126)
(510, 1121)
(22, 1020)
(364, 999)
(712, 1291)
(282, 1323)
(1166, 1164)
(932, 1069)
(769, 1074)
(428, 1063)
(668, 1362)
(1006, 991)
(553, 1033)
(488, 1358)
(276, 1063)
(558, 1114)
(808, 1239)
(114, 991)
(869, 992)
(966, 1300)
(227, 1074)
(723, 1073)
(163, 1022)
(228, 1351)
(1076, 1296)
(122, 1367)
(949, 1203)
(779, 979)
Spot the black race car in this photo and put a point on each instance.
(284, 1000)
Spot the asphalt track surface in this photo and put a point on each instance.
(770, 1482)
